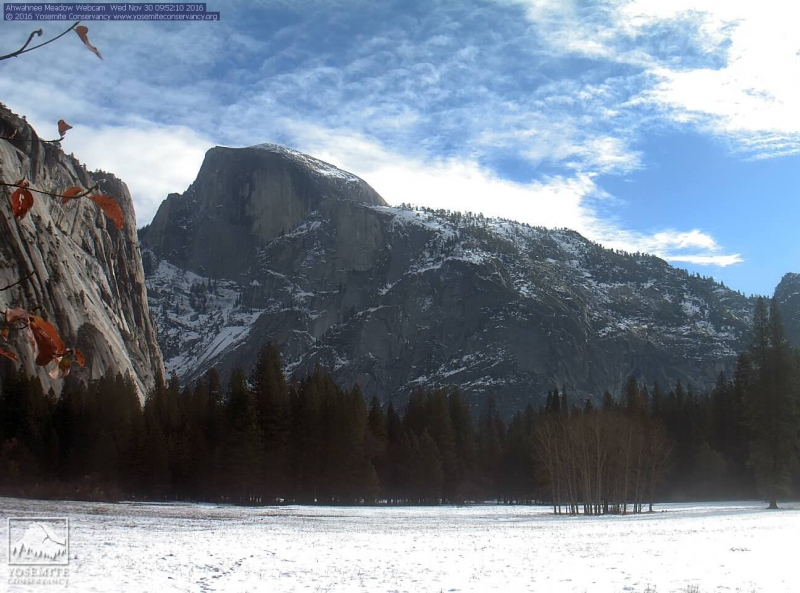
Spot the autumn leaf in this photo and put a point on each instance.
(5, 334)
(9, 355)
(21, 199)
(71, 193)
(82, 31)
(110, 208)
(21, 202)
(49, 344)
(63, 127)
(65, 363)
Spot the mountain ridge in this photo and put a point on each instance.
(390, 297)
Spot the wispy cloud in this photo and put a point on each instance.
(726, 68)
(152, 160)
(463, 184)
(421, 104)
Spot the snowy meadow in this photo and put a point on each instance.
(706, 548)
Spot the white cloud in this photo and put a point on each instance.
(152, 160)
(413, 111)
(693, 247)
(749, 93)
(461, 184)
(706, 260)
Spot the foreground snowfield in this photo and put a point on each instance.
(187, 547)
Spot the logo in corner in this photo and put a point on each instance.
(40, 541)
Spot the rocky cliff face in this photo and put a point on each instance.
(88, 276)
(268, 244)
(242, 199)
(787, 294)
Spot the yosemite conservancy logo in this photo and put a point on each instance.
(38, 550)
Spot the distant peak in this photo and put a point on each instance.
(315, 165)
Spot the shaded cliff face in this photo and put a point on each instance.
(391, 298)
(787, 294)
(242, 199)
(88, 275)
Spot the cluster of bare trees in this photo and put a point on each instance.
(601, 462)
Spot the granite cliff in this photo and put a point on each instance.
(787, 294)
(271, 244)
(87, 275)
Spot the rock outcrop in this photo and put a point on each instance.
(242, 199)
(787, 293)
(87, 275)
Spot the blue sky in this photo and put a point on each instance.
(670, 127)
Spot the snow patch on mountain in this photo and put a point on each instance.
(319, 309)
(315, 166)
(199, 319)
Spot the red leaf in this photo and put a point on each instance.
(9, 355)
(63, 127)
(82, 31)
(49, 344)
(21, 202)
(71, 193)
(110, 208)
(79, 358)
(5, 334)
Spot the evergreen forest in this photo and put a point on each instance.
(261, 439)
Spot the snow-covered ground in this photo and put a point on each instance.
(187, 547)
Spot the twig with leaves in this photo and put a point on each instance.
(43, 337)
(81, 30)
(22, 198)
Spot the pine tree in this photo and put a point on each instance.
(307, 441)
(154, 458)
(632, 404)
(772, 399)
(428, 475)
(376, 420)
(273, 417)
(655, 400)
(609, 404)
(394, 425)
(555, 406)
(378, 443)
(241, 458)
(490, 447)
(465, 447)
(742, 382)
(440, 428)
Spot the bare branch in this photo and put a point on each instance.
(39, 32)
(20, 281)
(56, 141)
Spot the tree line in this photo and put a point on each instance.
(263, 440)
